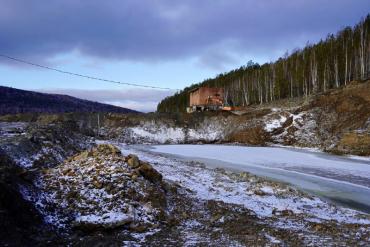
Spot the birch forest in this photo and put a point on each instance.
(330, 63)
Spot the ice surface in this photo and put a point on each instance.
(274, 157)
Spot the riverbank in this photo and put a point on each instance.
(342, 180)
(163, 200)
(276, 204)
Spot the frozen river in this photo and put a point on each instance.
(343, 180)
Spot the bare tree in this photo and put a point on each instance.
(313, 68)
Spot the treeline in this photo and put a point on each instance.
(331, 63)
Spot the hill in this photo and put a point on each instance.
(329, 64)
(13, 101)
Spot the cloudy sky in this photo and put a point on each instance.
(164, 43)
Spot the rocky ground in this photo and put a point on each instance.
(105, 196)
(59, 187)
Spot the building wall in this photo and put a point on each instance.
(200, 96)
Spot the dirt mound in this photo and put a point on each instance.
(345, 115)
(100, 188)
(253, 136)
(20, 222)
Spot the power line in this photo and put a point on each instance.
(84, 76)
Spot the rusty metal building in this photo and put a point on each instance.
(206, 98)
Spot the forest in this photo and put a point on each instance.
(330, 63)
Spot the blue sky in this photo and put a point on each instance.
(165, 43)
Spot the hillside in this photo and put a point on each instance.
(13, 101)
(331, 63)
(337, 121)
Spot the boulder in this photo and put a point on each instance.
(149, 173)
(108, 149)
(133, 161)
(288, 122)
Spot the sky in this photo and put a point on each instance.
(162, 43)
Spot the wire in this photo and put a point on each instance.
(85, 76)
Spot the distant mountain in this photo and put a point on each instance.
(14, 101)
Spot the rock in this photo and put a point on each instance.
(99, 188)
(133, 161)
(71, 173)
(138, 228)
(317, 227)
(97, 184)
(81, 156)
(260, 193)
(274, 211)
(134, 177)
(288, 122)
(71, 195)
(285, 212)
(220, 170)
(66, 171)
(108, 149)
(149, 173)
(109, 188)
(215, 218)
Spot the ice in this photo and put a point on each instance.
(274, 157)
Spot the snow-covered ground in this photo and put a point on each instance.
(282, 158)
(10, 129)
(161, 133)
(341, 179)
(262, 197)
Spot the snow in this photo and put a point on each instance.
(272, 239)
(160, 133)
(273, 157)
(95, 189)
(274, 123)
(210, 184)
(211, 130)
(303, 124)
(362, 158)
(11, 129)
(267, 190)
(110, 217)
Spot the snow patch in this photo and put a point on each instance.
(160, 133)
(273, 124)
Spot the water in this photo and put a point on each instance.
(342, 180)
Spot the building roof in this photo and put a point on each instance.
(194, 89)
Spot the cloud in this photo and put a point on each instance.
(144, 100)
(218, 57)
(167, 30)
